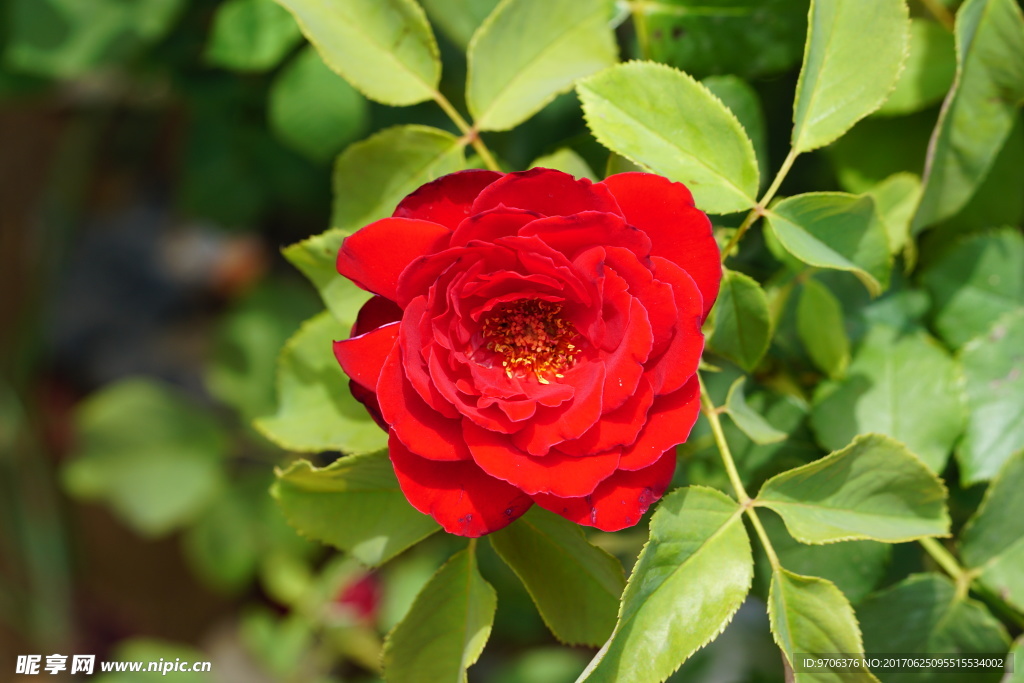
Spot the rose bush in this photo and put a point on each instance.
(534, 338)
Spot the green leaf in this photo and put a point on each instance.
(745, 37)
(247, 342)
(742, 322)
(855, 51)
(385, 48)
(979, 111)
(373, 175)
(353, 504)
(149, 453)
(928, 73)
(459, 19)
(835, 230)
(994, 368)
(316, 411)
(313, 110)
(902, 385)
(575, 585)
(69, 38)
(896, 198)
(873, 489)
(743, 101)
(819, 322)
(879, 147)
(810, 615)
(930, 619)
(707, 149)
(316, 257)
(567, 161)
(688, 582)
(974, 282)
(251, 35)
(749, 421)
(447, 627)
(855, 567)
(511, 79)
(992, 543)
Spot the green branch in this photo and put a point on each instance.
(470, 134)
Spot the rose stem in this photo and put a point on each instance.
(761, 206)
(711, 413)
(469, 133)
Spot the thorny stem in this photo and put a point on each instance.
(711, 413)
(762, 204)
(470, 134)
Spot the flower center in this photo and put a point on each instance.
(533, 338)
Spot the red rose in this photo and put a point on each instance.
(534, 339)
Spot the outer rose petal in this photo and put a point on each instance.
(374, 256)
(669, 422)
(459, 495)
(363, 357)
(548, 192)
(376, 312)
(446, 200)
(554, 473)
(422, 429)
(620, 500)
(678, 362)
(678, 231)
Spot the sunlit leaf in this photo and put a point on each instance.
(688, 582)
(459, 19)
(373, 175)
(896, 198)
(385, 48)
(567, 161)
(873, 489)
(511, 79)
(706, 149)
(855, 50)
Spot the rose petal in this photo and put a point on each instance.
(369, 400)
(616, 428)
(554, 425)
(373, 257)
(678, 362)
(669, 422)
(363, 357)
(554, 473)
(620, 500)
(423, 430)
(448, 199)
(575, 233)
(459, 495)
(678, 231)
(376, 312)
(548, 192)
(490, 225)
